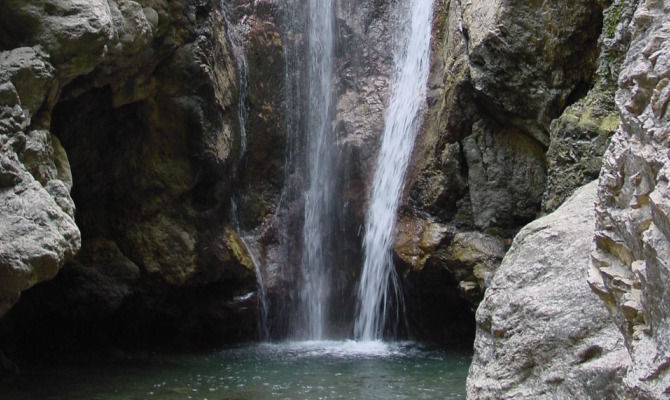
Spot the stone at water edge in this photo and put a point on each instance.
(541, 332)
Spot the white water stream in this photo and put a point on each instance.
(378, 289)
(315, 290)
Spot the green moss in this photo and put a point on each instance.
(237, 247)
(612, 19)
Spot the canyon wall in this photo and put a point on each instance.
(632, 239)
(132, 107)
(126, 178)
(612, 342)
(520, 111)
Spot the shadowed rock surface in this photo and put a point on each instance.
(130, 106)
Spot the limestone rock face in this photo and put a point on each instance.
(580, 136)
(527, 59)
(502, 73)
(37, 229)
(125, 109)
(630, 262)
(541, 331)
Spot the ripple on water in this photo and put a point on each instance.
(289, 370)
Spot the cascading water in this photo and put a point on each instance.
(320, 169)
(378, 288)
(236, 34)
(263, 332)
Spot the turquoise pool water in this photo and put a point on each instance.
(291, 370)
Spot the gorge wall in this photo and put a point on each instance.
(630, 259)
(132, 106)
(147, 146)
(612, 342)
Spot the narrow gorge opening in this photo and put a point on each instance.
(160, 235)
(310, 199)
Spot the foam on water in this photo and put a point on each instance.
(344, 349)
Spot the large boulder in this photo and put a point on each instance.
(37, 229)
(541, 331)
(630, 262)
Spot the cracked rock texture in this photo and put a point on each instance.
(121, 115)
(541, 332)
(520, 110)
(580, 136)
(37, 229)
(630, 261)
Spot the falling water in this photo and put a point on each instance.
(263, 331)
(318, 197)
(378, 288)
(236, 35)
(252, 251)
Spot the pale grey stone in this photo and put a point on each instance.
(541, 332)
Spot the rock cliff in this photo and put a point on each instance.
(520, 111)
(122, 116)
(630, 260)
(138, 138)
(627, 266)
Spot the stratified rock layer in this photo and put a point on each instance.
(631, 270)
(541, 332)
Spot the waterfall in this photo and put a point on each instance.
(236, 36)
(263, 332)
(378, 288)
(320, 169)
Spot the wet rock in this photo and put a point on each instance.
(629, 264)
(473, 258)
(129, 104)
(492, 100)
(416, 239)
(541, 331)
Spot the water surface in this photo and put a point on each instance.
(299, 370)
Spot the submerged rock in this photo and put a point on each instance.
(541, 331)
